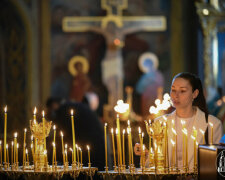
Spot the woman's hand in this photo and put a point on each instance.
(137, 150)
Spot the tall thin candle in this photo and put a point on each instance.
(203, 135)
(89, 157)
(63, 152)
(24, 146)
(73, 132)
(5, 133)
(211, 124)
(0, 152)
(114, 153)
(105, 133)
(123, 147)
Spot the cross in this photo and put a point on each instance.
(114, 27)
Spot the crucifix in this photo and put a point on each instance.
(114, 27)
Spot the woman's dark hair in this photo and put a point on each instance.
(196, 83)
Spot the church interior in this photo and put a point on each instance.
(96, 57)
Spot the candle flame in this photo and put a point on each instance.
(112, 130)
(139, 130)
(54, 127)
(211, 124)
(143, 148)
(35, 110)
(201, 131)
(172, 121)
(164, 117)
(196, 143)
(67, 145)
(76, 146)
(53, 144)
(88, 148)
(150, 121)
(71, 149)
(71, 112)
(184, 131)
(80, 149)
(25, 130)
(142, 134)
(116, 131)
(31, 146)
(0, 142)
(151, 150)
(194, 128)
(105, 124)
(32, 137)
(173, 143)
(193, 137)
(117, 116)
(128, 122)
(174, 131)
(5, 109)
(61, 133)
(12, 143)
(128, 131)
(43, 114)
(151, 130)
(7, 146)
(182, 122)
(45, 152)
(123, 131)
(15, 135)
(26, 151)
(17, 145)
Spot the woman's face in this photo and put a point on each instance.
(181, 93)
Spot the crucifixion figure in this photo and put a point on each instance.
(114, 27)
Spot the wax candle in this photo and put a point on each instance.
(0, 152)
(43, 121)
(15, 146)
(114, 153)
(71, 153)
(141, 145)
(194, 143)
(73, 132)
(32, 151)
(89, 157)
(66, 160)
(143, 156)
(118, 151)
(77, 149)
(175, 134)
(7, 153)
(123, 147)
(24, 146)
(81, 158)
(186, 147)
(63, 152)
(53, 154)
(17, 152)
(203, 135)
(183, 141)
(119, 136)
(5, 133)
(27, 160)
(166, 161)
(12, 153)
(211, 124)
(129, 151)
(105, 133)
(173, 153)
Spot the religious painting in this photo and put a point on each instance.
(94, 47)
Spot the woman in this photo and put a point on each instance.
(190, 104)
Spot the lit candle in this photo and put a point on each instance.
(7, 153)
(81, 158)
(63, 148)
(24, 146)
(35, 139)
(166, 146)
(53, 155)
(143, 157)
(43, 121)
(141, 145)
(129, 151)
(17, 152)
(89, 157)
(123, 147)
(54, 149)
(114, 153)
(74, 141)
(183, 141)
(119, 136)
(105, 133)
(15, 146)
(32, 150)
(71, 153)
(66, 160)
(0, 152)
(195, 154)
(173, 153)
(211, 124)
(27, 156)
(12, 153)
(175, 134)
(186, 147)
(5, 133)
(203, 135)
(118, 151)
(77, 149)
(34, 114)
